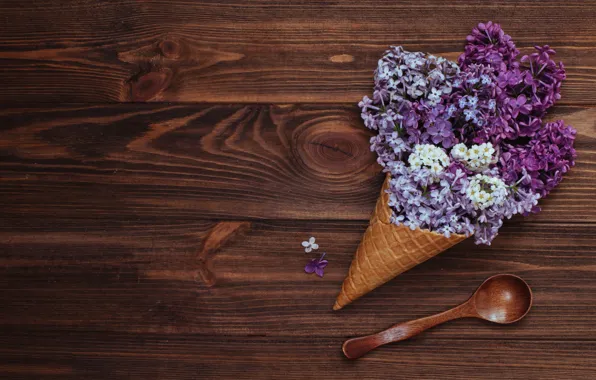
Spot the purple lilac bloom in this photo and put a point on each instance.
(409, 91)
(438, 128)
(476, 115)
(542, 79)
(530, 89)
(443, 205)
(492, 97)
(488, 45)
(539, 165)
(525, 88)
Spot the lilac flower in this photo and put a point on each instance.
(316, 266)
(489, 45)
(537, 78)
(539, 165)
(519, 105)
(542, 79)
(423, 177)
(438, 129)
(419, 99)
(442, 205)
(476, 107)
(310, 245)
(510, 78)
(409, 90)
(366, 103)
(441, 133)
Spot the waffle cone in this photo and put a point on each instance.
(387, 250)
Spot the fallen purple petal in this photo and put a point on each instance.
(316, 266)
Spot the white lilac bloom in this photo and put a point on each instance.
(459, 151)
(476, 158)
(485, 79)
(491, 104)
(310, 245)
(434, 97)
(426, 156)
(485, 191)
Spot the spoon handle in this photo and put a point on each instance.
(357, 347)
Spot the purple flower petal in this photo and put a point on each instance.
(311, 266)
(319, 271)
(316, 265)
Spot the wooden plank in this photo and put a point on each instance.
(143, 276)
(226, 162)
(101, 355)
(266, 51)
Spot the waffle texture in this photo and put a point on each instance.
(387, 250)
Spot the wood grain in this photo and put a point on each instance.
(113, 224)
(267, 51)
(308, 162)
(219, 235)
(139, 276)
(117, 215)
(98, 354)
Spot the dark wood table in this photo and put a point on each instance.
(149, 149)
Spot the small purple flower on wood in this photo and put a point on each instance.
(316, 266)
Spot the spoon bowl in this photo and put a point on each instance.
(503, 299)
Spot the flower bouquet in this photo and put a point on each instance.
(463, 146)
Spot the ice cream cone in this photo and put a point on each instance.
(387, 250)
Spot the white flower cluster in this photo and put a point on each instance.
(428, 156)
(476, 158)
(485, 191)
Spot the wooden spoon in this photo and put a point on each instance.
(503, 298)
